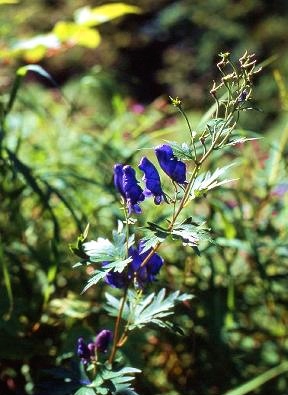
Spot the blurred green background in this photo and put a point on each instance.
(112, 71)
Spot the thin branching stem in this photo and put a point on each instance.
(117, 326)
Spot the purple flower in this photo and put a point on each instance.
(103, 339)
(142, 274)
(116, 279)
(87, 352)
(152, 180)
(133, 192)
(148, 272)
(83, 351)
(118, 179)
(125, 182)
(173, 167)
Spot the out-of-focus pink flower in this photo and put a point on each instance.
(137, 108)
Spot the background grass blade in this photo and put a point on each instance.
(259, 380)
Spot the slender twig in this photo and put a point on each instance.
(117, 326)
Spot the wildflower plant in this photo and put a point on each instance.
(131, 260)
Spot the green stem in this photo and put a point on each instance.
(117, 327)
(190, 130)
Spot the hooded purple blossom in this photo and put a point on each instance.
(148, 272)
(142, 275)
(118, 179)
(173, 167)
(152, 180)
(103, 339)
(126, 183)
(134, 193)
(116, 279)
(83, 351)
(87, 352)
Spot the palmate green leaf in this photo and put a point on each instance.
(207, 181)
(191, 233)
(100, 250)
(114, 381)
(153, 234)
(113, 305)
(214, 126)
(104, 250)
(99, 274)
(155, 307)
(182, 151)
(142, 311)
(85, 391)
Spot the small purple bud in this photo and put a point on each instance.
(83, 351)
(92, 348)
(103, 339)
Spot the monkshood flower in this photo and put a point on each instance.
(140, 274)
(103, 339)
(147, 273)
(83, 351)
(126, 183)
(118, 179)
(152, 180)
(87, 352)
(173, 167)
(134, 193)
(116, 279)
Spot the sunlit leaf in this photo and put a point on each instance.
(207, 181)
(95, 16)
(141, 311)
(191, 233)
(85, 391)
(76, 34)
(114, 381)
(45, 40)
(20, 74)
(2, 2)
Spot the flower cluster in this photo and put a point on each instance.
(88, 352)
(140, 274)
(127, 185)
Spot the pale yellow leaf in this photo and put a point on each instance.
(95, 16)
(9, 2)
(76, 34)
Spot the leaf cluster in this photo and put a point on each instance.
(111, 381)
(140, 311)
